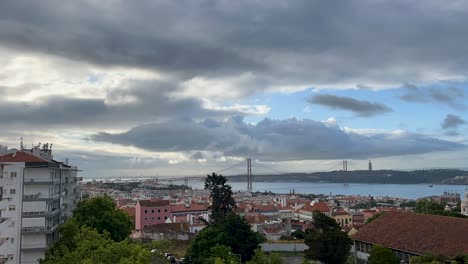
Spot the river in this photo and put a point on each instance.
(409, 191)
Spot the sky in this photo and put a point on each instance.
(175, 88)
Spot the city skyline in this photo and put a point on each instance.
(172, 88)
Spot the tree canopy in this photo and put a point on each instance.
(327, 243)
(93, 247)
(227, 228)
(99, 214)
(382, 255)
(221, 194)
(102, 214)
(428, 206)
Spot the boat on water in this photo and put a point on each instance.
(430, 185)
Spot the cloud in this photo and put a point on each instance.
(362, 108)
(275, 140)
(451, 96)
(133, 103)
(283, 47)
(452, 122)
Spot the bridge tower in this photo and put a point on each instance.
(345, 172)
(249, 175)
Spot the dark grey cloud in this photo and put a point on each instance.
(360, 107)
(275, 140)
(197, 155)
(134, 103)
(452, 122)
(301, 42)
(451, 96)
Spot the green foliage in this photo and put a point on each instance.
(437, 259)
(275, 258)
(227, 228)
(327, 243)
(101, 213)
(408, 204)
(221, 194)
(372, 218)
(428, 206)
(233, 232)
(258, 258)
(428, 259)
(97, 213)
(223, 253)
(382, 255)
(93, 247)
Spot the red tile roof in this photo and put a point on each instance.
(320, 206)
(20, 156)
(417, 233)
(154, 203)
(191, 208)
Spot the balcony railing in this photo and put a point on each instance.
(36, 246)
(37, 229)
(40, 213)
(39, 197)
(38, 181)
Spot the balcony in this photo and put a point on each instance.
(38, 229)
(39, 197)
(38, 181)
(41, 213)
(34, 247)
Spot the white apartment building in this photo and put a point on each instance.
(37, 194)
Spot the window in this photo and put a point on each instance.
(12, 191)
(13, 174)
(146, 219)
(152, 211)
(152, 218)
(12, 240)
(146, 211)
(12, 208)
(159, 211)
(165, 217)
(159, 218)
(165, 210)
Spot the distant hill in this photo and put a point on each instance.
(432, 176)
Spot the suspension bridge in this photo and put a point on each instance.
(264, 167)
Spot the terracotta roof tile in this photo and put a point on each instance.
(417, 233)
(154, 203)
(20, 156)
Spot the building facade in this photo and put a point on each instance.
(464, 205)
(37, 194)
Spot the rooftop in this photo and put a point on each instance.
(417, 233)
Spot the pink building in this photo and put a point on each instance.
(150, 212)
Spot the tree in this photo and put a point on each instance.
(382, 255)
(221, 194)
(432, 207)
(327, 243)
(233, 232)
(93, 247)
(429, 207)
(428, 259)
(258, 258)
(227, 228)
(102, 214)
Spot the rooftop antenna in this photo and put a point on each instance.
(21, 143)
